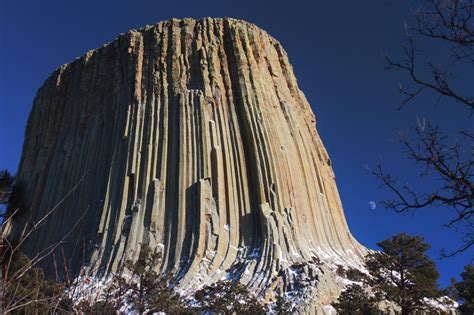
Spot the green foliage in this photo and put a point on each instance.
(6, 182)
(403, 273)
(26, 289)
(141, 287)
(355, 275)
(227, 297)
(106, 307)
(11, 195)
(464, 290)
(147, 289)
(354, 300)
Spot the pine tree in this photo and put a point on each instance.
(354, 300)
(147, 289)
(464, 290)
(26, 290)
(140, 287)
(6, 182)
(227, 297)
(403, 273)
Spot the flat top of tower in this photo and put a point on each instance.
(174, 21)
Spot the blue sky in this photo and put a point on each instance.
(336, 50)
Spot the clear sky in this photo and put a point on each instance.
(336, 50)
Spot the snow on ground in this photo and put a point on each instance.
(88, 289)
(328, 309)
(443, 303)
(92, 289)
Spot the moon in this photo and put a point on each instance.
(372, 205)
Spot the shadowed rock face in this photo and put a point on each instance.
(191, 136)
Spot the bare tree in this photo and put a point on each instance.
(444, 162)
(449, 21)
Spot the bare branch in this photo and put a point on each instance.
(446, 163)
(449, 21)
(439, 84)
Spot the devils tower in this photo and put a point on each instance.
(190, 136)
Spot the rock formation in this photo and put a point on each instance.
(191, 136)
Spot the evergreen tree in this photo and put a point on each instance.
(464, 290)
(403, 273)
(26, 290)
(354, 300)
(6, 182)
(355, 275)
(142, 288)
(147, 289)
(227, 297)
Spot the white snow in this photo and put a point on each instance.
(443, 303)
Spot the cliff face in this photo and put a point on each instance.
(192, 137)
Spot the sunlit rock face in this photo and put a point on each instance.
(191, 136)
